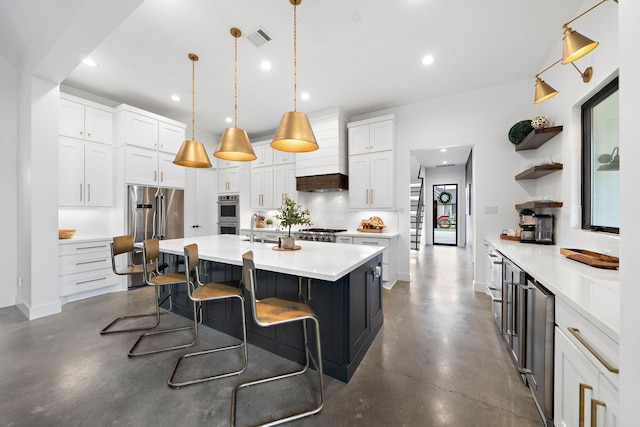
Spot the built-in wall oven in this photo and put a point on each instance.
(229, 214)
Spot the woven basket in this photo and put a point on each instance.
(66, 233)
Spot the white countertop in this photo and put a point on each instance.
(593, 292)
(84, 238)
(316, 260)
(349, 233)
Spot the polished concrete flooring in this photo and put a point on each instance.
(437, 361)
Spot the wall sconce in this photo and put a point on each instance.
(576, 45)
(611, 161)
(544, 91)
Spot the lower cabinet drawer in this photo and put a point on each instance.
(374, 242)
(87, 281)
(78, 263)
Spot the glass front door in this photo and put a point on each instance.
(445, 212)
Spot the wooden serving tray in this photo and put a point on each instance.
(505, 237)
(370, 230)
(295, 248)
(593, 259)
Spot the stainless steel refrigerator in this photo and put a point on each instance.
(154, 213)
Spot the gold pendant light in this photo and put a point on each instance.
(294, 134)
(192, 153)
(235, 144)
(575, 45)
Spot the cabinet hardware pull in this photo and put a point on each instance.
(583, 387)
(161, 176)
(155, 175)
(594, 411)
(91, 262)
(576, 333)
(88, 192)
(91, 280)
(80, 192)
(89, 134)
(367, 196)
(372, 196)
(91, 247)
(80, 132)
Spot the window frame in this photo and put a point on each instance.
(603, 94)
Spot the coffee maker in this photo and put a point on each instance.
(537, 229)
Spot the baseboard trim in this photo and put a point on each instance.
(479, 287)
(7, 301)
(39, 311)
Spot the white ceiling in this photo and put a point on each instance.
(362, 55)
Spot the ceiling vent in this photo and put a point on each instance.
(259, 37)
(445, 166)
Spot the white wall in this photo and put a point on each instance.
(8, 176)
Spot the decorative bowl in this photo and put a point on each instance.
(66, 233)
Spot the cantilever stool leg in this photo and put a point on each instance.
(123, 245)
(275, 311)
(151, 252)
(200, 294)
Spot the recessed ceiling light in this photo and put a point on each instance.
(89, 62)
(304, 96)
(265, 65)
(228, 120)
(442, 150)
(428, 60)
(175, 98)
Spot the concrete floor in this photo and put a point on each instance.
(437, 361)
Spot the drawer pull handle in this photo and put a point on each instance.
(576, 333)
(91, 280)
(90, 247)
(91, 262)
(583, 387)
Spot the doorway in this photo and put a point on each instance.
(445, 214)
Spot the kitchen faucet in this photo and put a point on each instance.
(254, 220)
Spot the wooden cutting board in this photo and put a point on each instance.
(591, 258)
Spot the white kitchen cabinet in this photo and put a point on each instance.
(264, 154)
(170, 137)
(583, 383)
(87, 122)
(147, 167)
(85, 174)
(371, 180)
(138, 129)
(283, 157)
(372, 135)
(262, 188)
(85, 269)
(229, 180)
(389, 255)
(200, 203)
(284, 184)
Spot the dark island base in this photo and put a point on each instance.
(349, 310)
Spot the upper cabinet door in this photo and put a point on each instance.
(71, 119)
(171, 175)
(98, 175)
(264, 153)
(98, 125)
(71, 172)
(381, 136)
(170, 137)
(140, 130)
(359, 140)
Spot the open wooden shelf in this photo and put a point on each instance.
(537, 137)
(539, 171)
(538, 205)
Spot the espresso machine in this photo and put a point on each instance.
(537, 229)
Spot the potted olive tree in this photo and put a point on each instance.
(289, 214)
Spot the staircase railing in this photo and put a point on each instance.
(419, 211)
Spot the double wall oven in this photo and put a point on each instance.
(229, 214)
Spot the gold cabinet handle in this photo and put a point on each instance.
(155, 176)
(89, 134)
(366, 192)
(583, 387)
(576, 333)
(80, 191)
(594, 411)
(81, 132)
(88, 192)
(161, 176)
(372, 196)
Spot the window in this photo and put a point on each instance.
(601, 161)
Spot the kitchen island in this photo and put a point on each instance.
(342, 283)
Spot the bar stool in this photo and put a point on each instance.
(276, 311)
(198, 293)
(151, 256)
(123, 245)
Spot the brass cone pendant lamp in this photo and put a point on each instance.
(294, 134)
(235, 144)
(192, 153)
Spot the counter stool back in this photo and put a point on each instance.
(122, 246)
(153, 277)
(276, 311)
(201, 292)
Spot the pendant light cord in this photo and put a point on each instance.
(235, 81)
(193, 98)
(295, 60)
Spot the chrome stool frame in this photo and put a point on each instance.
(276, 311)
(151, 253)
(119, 246)
(201, 292)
